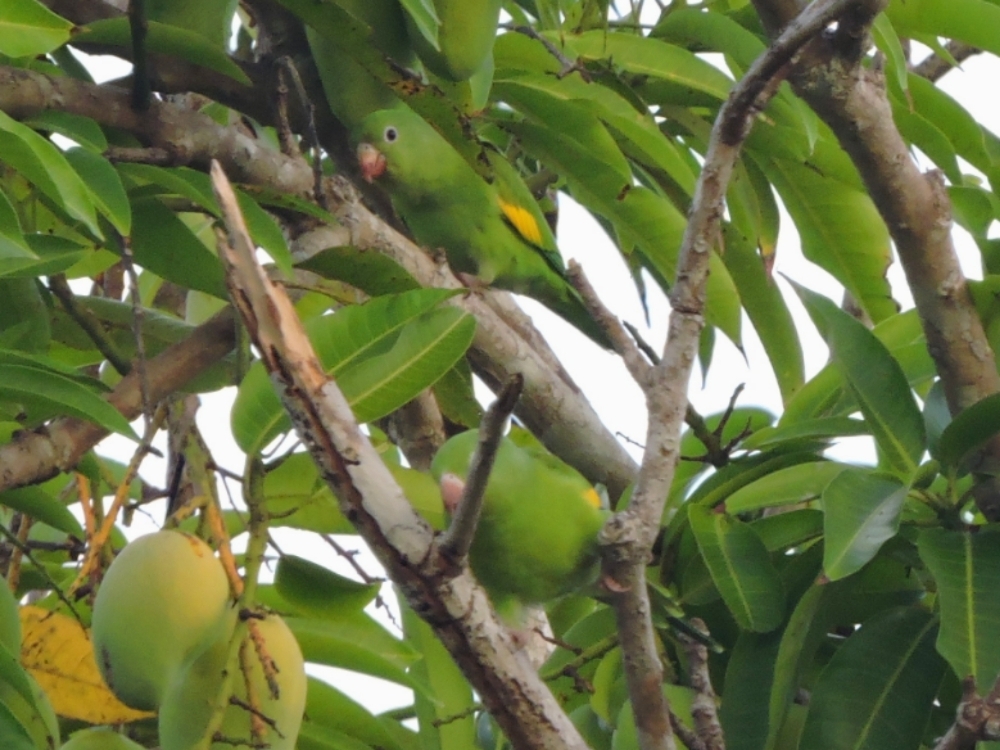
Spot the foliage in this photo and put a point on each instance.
(868, 589)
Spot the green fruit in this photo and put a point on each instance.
(10, 621)
(100, 738)
(163, 601)
(188, 704)
(466, 35)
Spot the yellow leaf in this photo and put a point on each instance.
(56, 650)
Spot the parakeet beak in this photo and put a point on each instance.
(371, 161)
(452, 487)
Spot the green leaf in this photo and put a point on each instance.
(371, 272)
(165, 245)
(42, 164)
(42, 506)
(105, 187)
(824, 395)
(28, 28)
(767, 310)
(425, 18)
(444, 713)
(382, 354)
(840, 228)
(741, 569)
(971, 21)
(966, 567)
(265, 232)
(317, 590)
(876, 380)
(165, 39)
(878, 689)
(296, 496)
(547, 102)
(749, 677)
(822, 428)
(790, 529)
(645, 56)
(55, 391)
(861, 512)
(425, 350)
(329, 708)
(84, 130)
(794, 484)
(355, 642)
(889, 45)
(967, 431)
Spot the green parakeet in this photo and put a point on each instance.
(495, 232)
(537, 535)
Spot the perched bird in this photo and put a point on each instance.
(537, 534)
(494, 232)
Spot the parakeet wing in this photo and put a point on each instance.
(537, 535)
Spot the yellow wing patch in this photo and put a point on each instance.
(523, 221)
(592, 498)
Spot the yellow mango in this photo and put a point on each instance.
(188, 704)
(163, 601)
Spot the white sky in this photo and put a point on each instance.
(600, 375)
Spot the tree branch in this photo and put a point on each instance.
(457, 540)
(454, 606)
(628, 536)
(552, 406)
(851, 99)
(32, 457)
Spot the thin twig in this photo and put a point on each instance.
(311, 133)
(457, 539)
(935, 66)
(568, 66)
(624, 344)
(142, 90)
(703, 708)
(628, 536)
(90, 324)
(138, 315)
(103, 533)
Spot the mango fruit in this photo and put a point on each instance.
(100, 738)
(163, 601)
(466, 35)
(188, 704)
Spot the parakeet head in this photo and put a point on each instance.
(395, 142)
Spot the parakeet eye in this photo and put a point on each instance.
(391, 134)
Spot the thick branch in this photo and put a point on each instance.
(190, 137)
(628, 537)
(851, 99)
(38, 455)
(551, 407)
(454, 606)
